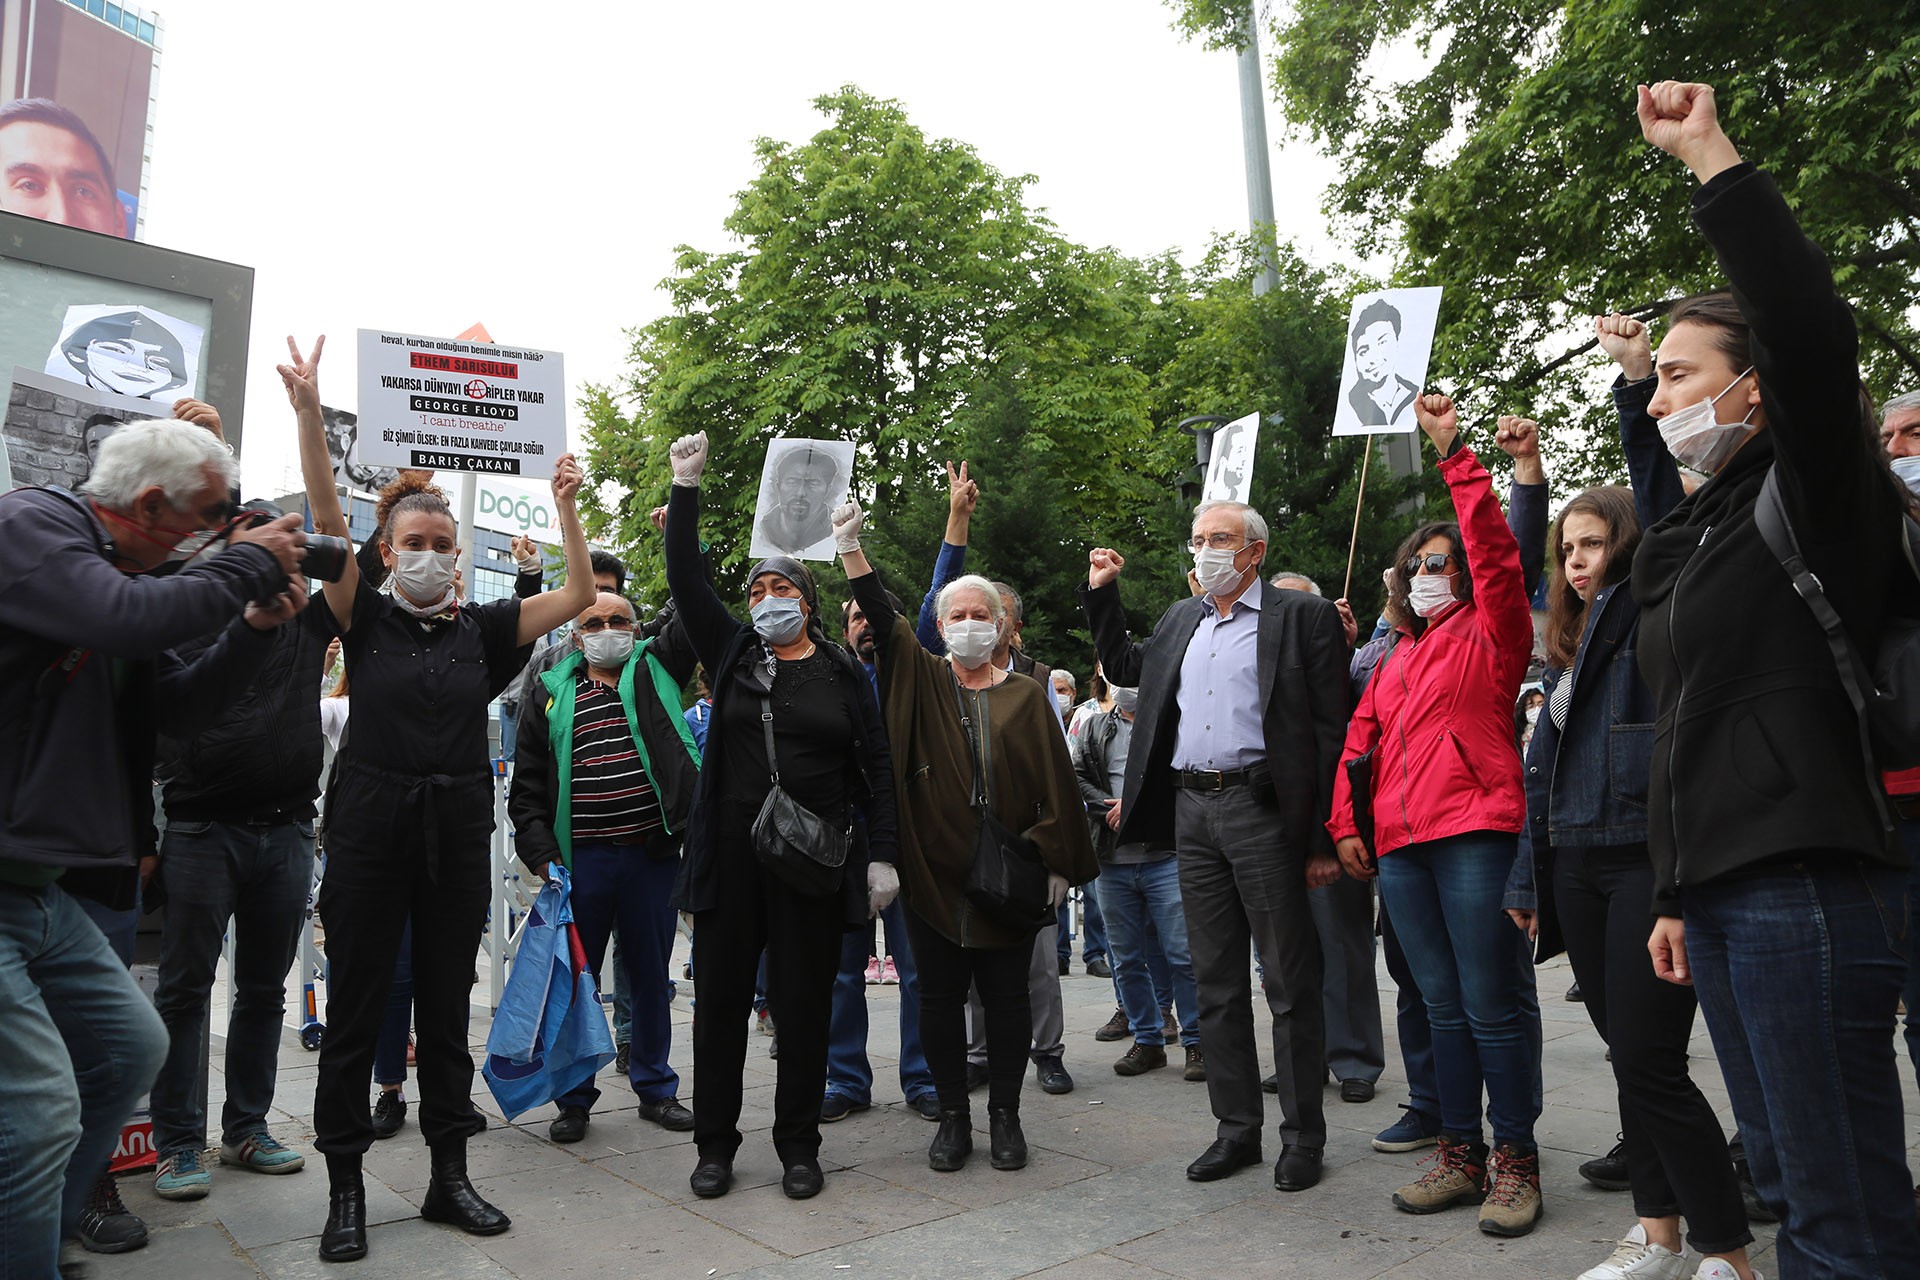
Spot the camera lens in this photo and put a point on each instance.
(325, 557)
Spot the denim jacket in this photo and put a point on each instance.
(1587, 784)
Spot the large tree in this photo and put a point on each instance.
(1505, 163)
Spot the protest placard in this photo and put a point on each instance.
(1230, 470)
(1389, 344)
(801, 484)
(446, 404)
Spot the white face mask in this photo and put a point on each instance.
(1907, 471)
(971, 643)
(1066, 702)
(1533, 714)
(424, 576)
(1430, 593)
(1696, 437)
(1213, 566)
(608, 650)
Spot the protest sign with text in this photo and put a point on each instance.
(447, 404)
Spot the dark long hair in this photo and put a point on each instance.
(1398, 611)
(1566, 611)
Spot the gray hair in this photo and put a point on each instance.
(1307, 584)
(996, 608)
(1256, 523)
(1010, 597)
(175, 456)
(1061, 673)
(1905, 402)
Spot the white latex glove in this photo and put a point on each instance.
(883, 886)
(848, 519)
(1056, 889)
(689, 456)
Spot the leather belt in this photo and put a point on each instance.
(1211, 779)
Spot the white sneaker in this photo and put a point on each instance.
(1634, 1259)
(1720, 1269)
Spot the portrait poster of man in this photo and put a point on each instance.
(129, 350)
(54, 428)
(343, 446)
(1230, 467)
(801, 484)
(1389, 344)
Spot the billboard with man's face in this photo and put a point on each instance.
(76, 101)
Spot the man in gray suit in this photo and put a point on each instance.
(1242, 713)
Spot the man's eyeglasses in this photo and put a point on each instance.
(592, 625)
(1435, 563)
(1218, 541)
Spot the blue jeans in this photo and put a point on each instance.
(257, 876)
(390, 1050)
(849, 1073)
(1131, 896)
(1798, 973)
(82, 1044)
(1472, 969)
(509, 732)
(1410, 1010)
(1095, 943)
(632, 886)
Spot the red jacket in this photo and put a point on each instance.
(1440, 705)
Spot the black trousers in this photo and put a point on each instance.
(802, 938)
(947, 969)
(384, 865)
(1676, 1153)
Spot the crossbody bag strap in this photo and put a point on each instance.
(766, 724)
(979, 795)
(1770, 516)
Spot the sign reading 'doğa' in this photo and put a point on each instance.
(1389, 344)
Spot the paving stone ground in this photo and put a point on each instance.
(1104, 1197)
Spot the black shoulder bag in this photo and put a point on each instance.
(1008, 881)
(804, 851)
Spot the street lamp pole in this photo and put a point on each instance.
(1253, 139)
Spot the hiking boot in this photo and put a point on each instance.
(1609, 1172)
(1458, 1176)
(181, 1175)
(1141, 1059)
(1410, 1132)
(106, 1224)
(1116, 1028)
(1635, 1259)
(1513, 1192)
(262, 1153)
(1196, 1065)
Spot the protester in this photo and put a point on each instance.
(605, 785)
(1448, 812)
(1101, 699)
(526, 561)
(781, 677)
(1139, 886)
(849, 1072)
(1238, 784)
(1065, 692)
(1773, 845)
(1900, 433)
(89, 622)
(410, 816)
(969, 737)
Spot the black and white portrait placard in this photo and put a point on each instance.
(801, 484)
(1389, 344)
(1230, 467)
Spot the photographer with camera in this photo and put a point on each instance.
(94, 590)
(238, 847)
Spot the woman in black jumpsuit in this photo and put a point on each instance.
(410, 816)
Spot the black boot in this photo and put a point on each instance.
(952, 1142)
(345, 1236)
(1007, 1145)
(451, 1198)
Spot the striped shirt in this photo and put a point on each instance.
(612, 799)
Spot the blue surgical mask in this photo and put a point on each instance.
(1907, 471)
(779, 619)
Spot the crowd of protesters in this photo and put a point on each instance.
(1686, 802)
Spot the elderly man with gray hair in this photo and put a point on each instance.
(95, 588)
(1243, 708)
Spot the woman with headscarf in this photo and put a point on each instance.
(778, 683)
(961, 726)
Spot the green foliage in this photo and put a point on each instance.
(898, 292)
(1508, 167)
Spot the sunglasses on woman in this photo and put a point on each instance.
(1434, 563)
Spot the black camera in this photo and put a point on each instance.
(325, 557)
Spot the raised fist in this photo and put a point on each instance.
(1103, 566)
(689, 457)
(1518, 437)
(1627, 341)
(848, 520)
(1681, 120)
(1436, 416)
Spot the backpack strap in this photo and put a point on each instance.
(1776, 530)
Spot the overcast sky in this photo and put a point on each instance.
(420, 166)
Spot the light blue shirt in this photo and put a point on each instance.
(1219, 692)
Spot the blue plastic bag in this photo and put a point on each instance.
(549, 1035)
